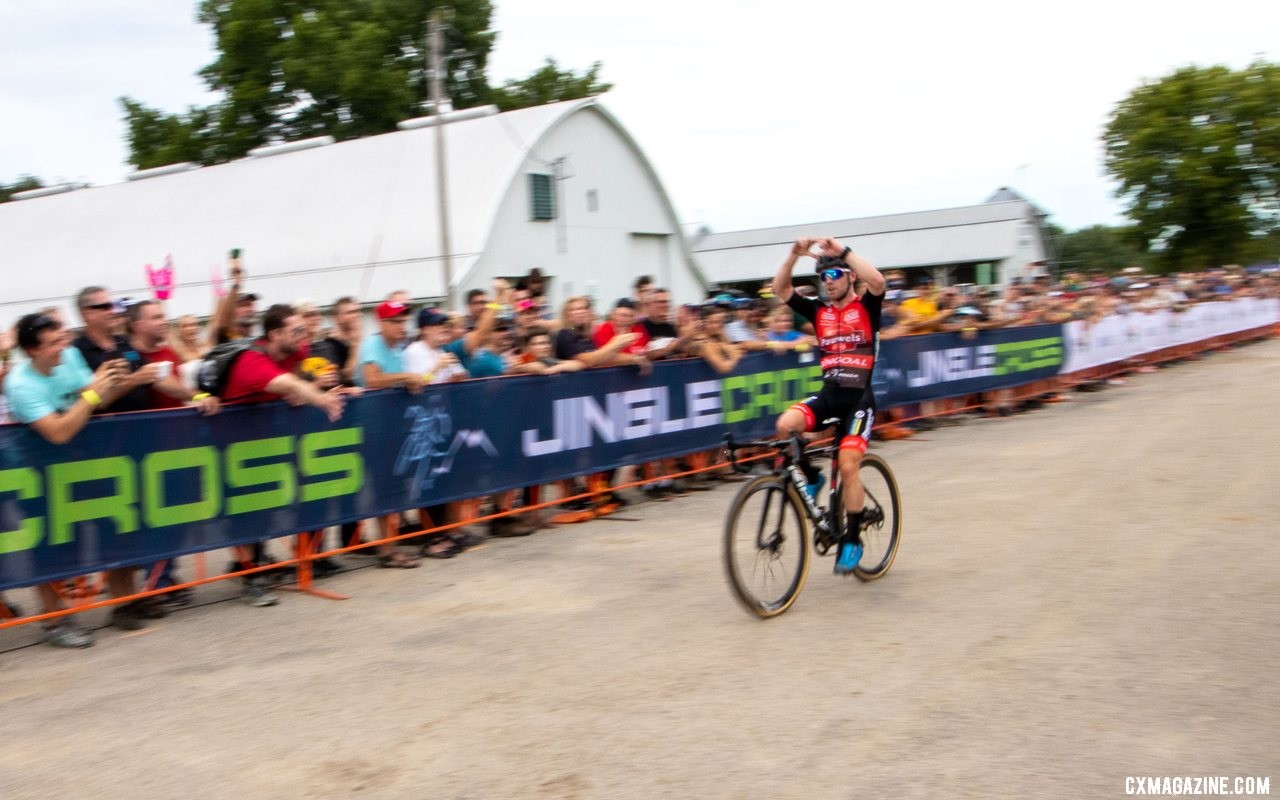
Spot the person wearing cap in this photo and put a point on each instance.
(235, 313)
(847, 328)
(55, 393)
(380, 364)
(426, 356)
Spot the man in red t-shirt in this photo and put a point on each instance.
(268, 370)
(623, 320)
(147, 331)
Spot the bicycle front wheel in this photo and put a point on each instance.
(881, 518)
(766, 547)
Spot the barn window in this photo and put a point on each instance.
(542, 197)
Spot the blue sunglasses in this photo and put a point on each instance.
(833, 274)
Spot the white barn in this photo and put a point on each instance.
(560, 187)
(991, 243)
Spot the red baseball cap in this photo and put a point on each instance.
(389, 310)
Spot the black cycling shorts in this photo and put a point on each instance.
(853, 411)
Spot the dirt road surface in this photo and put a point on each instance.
(1085, 592)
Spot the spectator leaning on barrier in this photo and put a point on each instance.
(622, 320)
(268, 371)
(55, 393)
(342, 344)
(381, 366)
(147, 329)
(426, 356)
(664, 339)
(102, 342)
(712, 343)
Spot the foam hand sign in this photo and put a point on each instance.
(215, 282)
(161, 280)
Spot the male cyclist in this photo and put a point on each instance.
(848, 331)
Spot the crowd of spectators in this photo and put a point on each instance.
(126, 356)
(926, 307)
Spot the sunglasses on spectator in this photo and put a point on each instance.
(101, 306)
(833, 274)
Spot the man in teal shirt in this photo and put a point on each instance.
(54, 393)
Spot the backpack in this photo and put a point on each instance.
(215, 369)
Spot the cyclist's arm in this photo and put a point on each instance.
(868, 274)
(782, 281)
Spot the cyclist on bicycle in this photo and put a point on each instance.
(848, 331)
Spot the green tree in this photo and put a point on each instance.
(548, 85)
(23, 184)
(1197, 156)
(293, 69)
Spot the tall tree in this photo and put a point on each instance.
(1197, 156)
(293, 69)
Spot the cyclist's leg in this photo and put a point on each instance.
(803, 417)
(855, 430)
(855, 434)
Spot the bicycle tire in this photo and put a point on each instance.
(767, 520)
(881, 536)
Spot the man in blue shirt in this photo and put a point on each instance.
(380, 365)
(55, 394)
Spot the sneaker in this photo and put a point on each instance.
(66, 634)
(812, 489)
(847, 559)
(255, 594)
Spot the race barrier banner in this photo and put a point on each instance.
(1120, 337)
(136, 488)
(939, 365)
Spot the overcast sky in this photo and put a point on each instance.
(753, 113)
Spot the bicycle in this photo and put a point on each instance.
(769, 521)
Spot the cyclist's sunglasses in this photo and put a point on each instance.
(833, 274)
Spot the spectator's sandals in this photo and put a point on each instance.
(398, 560)
(441, 547)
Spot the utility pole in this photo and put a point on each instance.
(440, 105)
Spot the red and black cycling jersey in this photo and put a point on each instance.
(848, 336)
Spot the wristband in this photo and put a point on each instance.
(429, 377)
(494, 306)
(196, 398)
(91, 397)
(846, 253)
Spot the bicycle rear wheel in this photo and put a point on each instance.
(766, 546)
(881, 518)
